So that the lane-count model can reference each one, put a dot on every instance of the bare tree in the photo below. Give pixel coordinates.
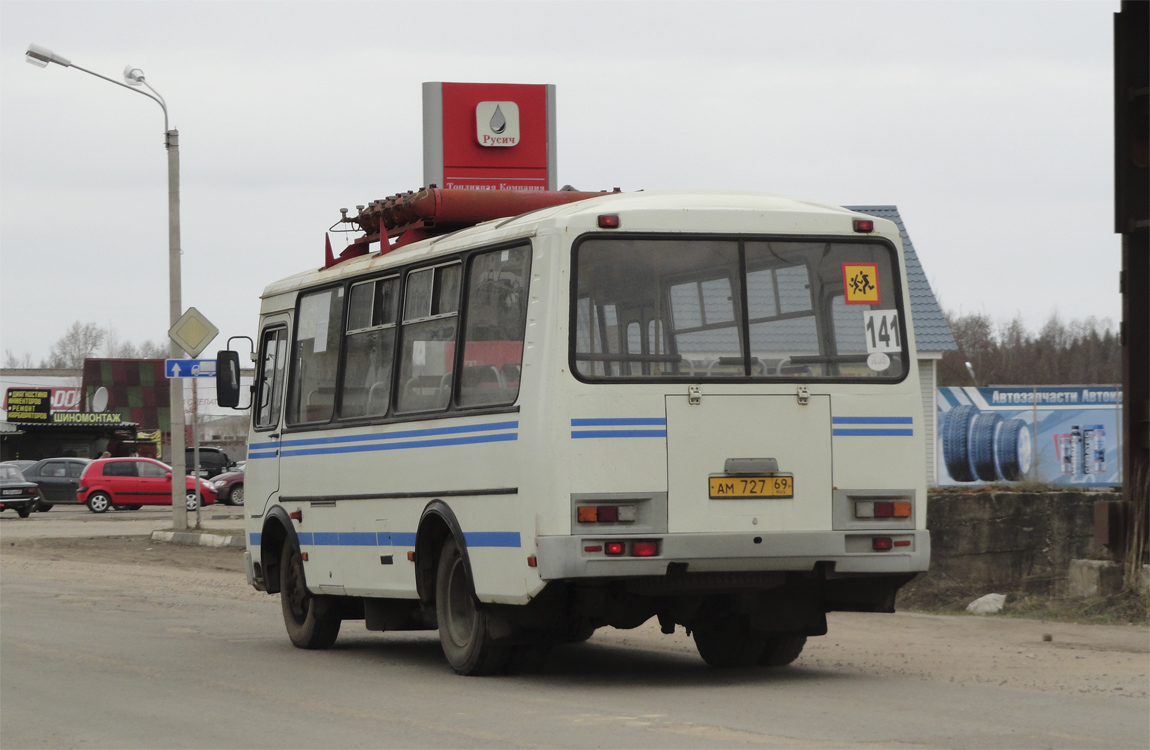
(80, 342)
(114, 348)
(153, 350)
(14, 362)
(1079, 352)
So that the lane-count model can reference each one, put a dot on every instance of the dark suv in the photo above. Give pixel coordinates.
(213, 461)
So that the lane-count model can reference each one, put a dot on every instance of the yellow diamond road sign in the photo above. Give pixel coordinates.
(193, 332)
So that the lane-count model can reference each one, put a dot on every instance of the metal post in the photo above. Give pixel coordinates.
(196, 445)
(41, 57)
(175, 310)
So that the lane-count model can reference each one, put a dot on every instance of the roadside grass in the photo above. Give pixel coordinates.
(1128, 607)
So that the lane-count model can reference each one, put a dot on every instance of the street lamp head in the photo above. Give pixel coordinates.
(133, 75)
(41, 56)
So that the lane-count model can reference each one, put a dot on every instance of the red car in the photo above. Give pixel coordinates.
(132, 482)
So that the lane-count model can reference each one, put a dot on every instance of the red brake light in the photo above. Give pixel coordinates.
(614, 548)
(608, 513)
(882, 543)
(864, 225)
(883, 509)
(608, 221)
(644, 549)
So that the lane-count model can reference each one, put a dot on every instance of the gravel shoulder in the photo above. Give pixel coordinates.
(1103, 660)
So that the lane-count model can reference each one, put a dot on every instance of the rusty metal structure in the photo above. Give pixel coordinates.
(433, 211)
(1127, 528)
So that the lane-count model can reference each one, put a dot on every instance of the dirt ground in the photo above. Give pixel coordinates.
(1029, 655)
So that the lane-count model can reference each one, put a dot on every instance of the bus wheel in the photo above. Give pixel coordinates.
(311, 620)
(781, 650)
(462, 621)
(728, 641)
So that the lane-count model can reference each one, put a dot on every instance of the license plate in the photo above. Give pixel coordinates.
(739, 488)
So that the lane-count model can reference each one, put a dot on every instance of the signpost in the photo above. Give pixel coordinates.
(190, 368)
(193, 332)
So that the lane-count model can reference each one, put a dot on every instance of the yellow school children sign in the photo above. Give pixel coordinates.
(860, 284)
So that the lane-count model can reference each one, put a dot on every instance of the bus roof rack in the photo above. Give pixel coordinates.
(431, 211)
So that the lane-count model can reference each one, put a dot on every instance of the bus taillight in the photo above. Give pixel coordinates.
(644, 549)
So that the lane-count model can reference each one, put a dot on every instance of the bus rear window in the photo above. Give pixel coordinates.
(695, 308)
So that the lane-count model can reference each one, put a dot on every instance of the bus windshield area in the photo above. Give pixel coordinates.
(698, 307)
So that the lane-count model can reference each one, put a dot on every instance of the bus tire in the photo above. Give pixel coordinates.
(781, 650)
(983, 432)
(728, 641)
(1012, 450)
(463, 630)
(956, 442)
(312, 621)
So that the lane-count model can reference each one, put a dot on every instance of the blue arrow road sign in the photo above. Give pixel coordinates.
(190, 368)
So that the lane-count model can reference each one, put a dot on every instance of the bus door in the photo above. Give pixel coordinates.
(262, 473)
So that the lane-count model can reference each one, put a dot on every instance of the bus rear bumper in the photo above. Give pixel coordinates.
(567, 557)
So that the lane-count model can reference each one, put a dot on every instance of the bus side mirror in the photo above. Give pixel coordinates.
(228, 378)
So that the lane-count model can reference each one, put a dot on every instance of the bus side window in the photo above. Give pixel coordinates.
(311, 395)
(427, 354)
(273, 356)
(373, 311)
(496, 319)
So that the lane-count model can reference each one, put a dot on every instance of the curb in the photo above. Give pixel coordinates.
(198, 538)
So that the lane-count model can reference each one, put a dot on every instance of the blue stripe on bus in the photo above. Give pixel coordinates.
(491, 539)
(397, 435)
(872, 420)
(619, 421)
(618, 433)
(381, 441)
(499, 438)
(872, 432)
(394, 539)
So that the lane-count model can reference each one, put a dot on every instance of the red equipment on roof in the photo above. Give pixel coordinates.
(435, 211)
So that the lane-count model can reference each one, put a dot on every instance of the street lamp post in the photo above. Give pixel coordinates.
(134, 77)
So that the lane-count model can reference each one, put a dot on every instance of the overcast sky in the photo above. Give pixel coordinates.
(989, 124)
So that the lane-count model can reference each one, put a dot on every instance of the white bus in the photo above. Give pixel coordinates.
(697, 407)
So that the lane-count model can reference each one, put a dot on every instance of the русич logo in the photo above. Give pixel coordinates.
(497, 124)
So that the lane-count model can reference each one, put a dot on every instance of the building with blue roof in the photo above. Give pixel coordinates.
(932, 334)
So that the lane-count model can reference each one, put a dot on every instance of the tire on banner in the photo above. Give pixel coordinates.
(1013, 451)
(956, 442)
(983, 432)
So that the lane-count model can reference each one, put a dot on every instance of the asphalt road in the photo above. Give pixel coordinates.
(108, 640)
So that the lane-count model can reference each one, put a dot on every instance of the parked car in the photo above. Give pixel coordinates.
(132, 482)
(57, 478)
(229, 487)
(16, 492)
(213, 461)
